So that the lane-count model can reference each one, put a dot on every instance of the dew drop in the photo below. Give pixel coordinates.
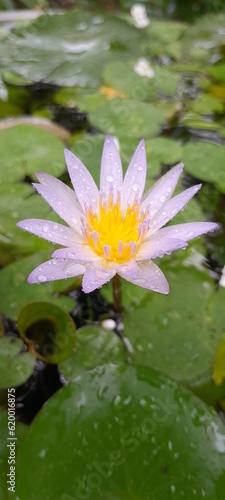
(162, 199)
(109, 178)
(45, 228)
(135, 187)
(191, 233)
(41, 278)
(139, 168)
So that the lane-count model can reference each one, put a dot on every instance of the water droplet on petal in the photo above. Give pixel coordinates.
(45, 228)
(162, 199)
(41, 278)
(109, 178)
(139, 168)
(190, 234)
(135, 187)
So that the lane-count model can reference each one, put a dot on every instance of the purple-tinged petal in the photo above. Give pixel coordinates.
(129, 270)
(171, 208)
(111, 177)
(51, 231)
(134, 180)
(55, 269)
(150, 277)
(162, 190)
(78, 253)
(61, 198)
(158, 247)
(96, 276)
(187, 231)
(83, 183)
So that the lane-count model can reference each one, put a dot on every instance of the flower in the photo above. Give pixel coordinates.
(143, 68)
(113, 230)
(139, 15)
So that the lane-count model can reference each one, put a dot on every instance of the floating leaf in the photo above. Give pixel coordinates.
(33, 149)
(178, 333)
(49, 329)
(68, 49)
(127, 117)
(15, 367)
(219, 363)
(116, 426)
(95, 346)
(205, 161)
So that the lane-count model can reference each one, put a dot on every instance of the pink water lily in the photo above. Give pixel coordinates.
(116, 230)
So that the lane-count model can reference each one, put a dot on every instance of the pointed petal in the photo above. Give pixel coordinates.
(158, 247)
(51, 231)
(111, 177)
(96, 276)
(171, 208)
(162, 190)
(188, 231)
(77, 252)
(150, 277)
(83, 183)
(55, 269)
(134, 180)
(61, 198)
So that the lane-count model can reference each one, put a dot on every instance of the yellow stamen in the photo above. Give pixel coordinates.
(115, 234)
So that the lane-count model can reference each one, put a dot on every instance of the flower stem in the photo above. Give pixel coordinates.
(117, 294)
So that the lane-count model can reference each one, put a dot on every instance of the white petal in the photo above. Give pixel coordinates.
(61, 199)
(134, 180)
(51, 231)
(55, 269)
(151, 277)
(83, 183)
(111, 169)
(129, 270)
(171, 208)
(157, 247)
(77, 252)
(187, 231)
(162, 190)
(96, 276)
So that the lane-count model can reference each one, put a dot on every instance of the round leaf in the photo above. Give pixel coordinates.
(15, 368)
(205, 161)
(49, 328)
(127, 117)
(123, 432)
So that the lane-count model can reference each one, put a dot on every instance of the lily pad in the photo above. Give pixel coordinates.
(68, 49)
(205, 161)
(15, 292)
(49, 329)
(116, 426)
(95, 346)
(127, 117)
(33, 149)
(16, 367)
(179, 333)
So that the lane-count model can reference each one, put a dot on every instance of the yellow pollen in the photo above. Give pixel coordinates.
(115, 234)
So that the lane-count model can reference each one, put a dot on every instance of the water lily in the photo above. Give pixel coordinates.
(116, 230)
(139, 15)
(143, 68)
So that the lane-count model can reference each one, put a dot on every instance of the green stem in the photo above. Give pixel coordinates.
(117, 294)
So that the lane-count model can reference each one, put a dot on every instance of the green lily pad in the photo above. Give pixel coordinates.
(95, 346)
(16, 367)
(122, 76)
(165, 31)
(205, 161)
(127, 117)
(123, 431)
(178, 333)
(207, 105)
(33, 149)
(68, 49)
(49, 328)
(15, 292)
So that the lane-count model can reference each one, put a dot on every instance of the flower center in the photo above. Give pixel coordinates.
(113, 233)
